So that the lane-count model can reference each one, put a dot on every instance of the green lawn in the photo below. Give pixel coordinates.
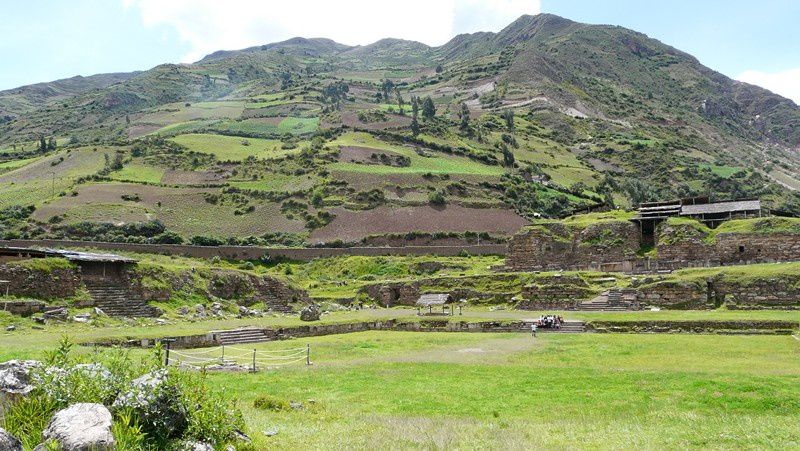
(386, 390)
(232, 148)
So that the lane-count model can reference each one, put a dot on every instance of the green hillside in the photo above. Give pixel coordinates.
(308, 140)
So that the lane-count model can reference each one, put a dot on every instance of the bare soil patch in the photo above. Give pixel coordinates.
(368, 155)
(355, 225)
(180, 177)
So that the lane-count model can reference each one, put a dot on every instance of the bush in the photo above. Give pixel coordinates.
(267, 402)
(437, 198)
(145, 416)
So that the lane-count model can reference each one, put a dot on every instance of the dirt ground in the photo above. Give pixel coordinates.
(354, 225)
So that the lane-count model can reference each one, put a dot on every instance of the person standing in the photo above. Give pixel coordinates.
(533, 330)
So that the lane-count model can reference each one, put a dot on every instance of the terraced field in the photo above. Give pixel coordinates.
(232, 148)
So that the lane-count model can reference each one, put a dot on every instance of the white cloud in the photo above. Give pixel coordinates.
(210, 25)
(785, 83)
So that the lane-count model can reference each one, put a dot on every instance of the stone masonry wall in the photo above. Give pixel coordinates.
(559, 246)
(57, 283)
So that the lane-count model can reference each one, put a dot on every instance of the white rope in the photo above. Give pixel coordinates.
(267, 351)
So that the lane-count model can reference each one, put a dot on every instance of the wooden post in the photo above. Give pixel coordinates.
(308, 354)
(254, 360)
(222, 359)
(166, 358)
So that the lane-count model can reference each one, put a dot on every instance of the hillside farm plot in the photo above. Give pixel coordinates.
(355, 225)
(8, 166)
(44, 177)
(137, 172)
(180, 112)
(431, 163)
(233, 148)
(182, 210)
(277, 183)
(268, 126)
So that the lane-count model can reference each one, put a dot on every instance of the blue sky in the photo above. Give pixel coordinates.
(45, 40)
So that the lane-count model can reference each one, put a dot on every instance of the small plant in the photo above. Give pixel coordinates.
(267, 402)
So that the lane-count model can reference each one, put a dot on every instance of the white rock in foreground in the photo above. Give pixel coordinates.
(8, 442)
(81, 427)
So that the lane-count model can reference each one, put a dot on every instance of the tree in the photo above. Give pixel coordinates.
(463, 115)
(400, 101)
(42, 144)
(439, 69)
(508, 155)
(51, 143)
(508, 116)
(387, 87)
(428, 109)
(414, 114)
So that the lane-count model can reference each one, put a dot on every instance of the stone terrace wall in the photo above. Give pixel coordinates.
(564, 292)
(255, 253)
(559, 246)
(58, 283)
(757, 247)
(774, 293)
(675, 295)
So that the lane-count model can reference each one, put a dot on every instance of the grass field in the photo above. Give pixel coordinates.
(135, 172)
(232, 148)
(390, 390)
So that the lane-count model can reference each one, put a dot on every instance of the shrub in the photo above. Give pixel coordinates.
(267, 402)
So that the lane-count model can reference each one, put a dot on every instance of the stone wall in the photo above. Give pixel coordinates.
(769, 293)
(22, 308)
(562, 293)
(490, 288)
(29, 281)
(697, 327)
(555, 245)
(675, 295)
(157, 284)
(256, 253)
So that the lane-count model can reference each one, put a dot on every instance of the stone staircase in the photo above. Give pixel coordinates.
(567, 327)
(610, 301)
(274, 304)
(239, 336)
(116, 299)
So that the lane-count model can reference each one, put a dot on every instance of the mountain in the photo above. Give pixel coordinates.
(308, 140)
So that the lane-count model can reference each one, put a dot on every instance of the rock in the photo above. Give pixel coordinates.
(157, 404)
(310, 313)
(183, 311)
(80, 427)
(216, 309)
(99, 312)
(11, 328)
(8, 442)
(161, 321)
(244, 311)
(82, 318)
(15, 379)
(197, 446)
(58, 313)
(296, 405)
(38, 319)
(270, 432)
(200, 309)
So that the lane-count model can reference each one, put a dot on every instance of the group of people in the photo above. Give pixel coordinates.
(548, 321)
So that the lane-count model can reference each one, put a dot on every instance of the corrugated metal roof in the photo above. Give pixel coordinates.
(434, 299)
(77, 256)
(721, 207)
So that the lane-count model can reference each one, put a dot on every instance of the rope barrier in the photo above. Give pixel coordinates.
(251, 358)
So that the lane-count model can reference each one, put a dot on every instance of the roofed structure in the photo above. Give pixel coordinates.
(751, 206)
(429, 300)
(74, 256)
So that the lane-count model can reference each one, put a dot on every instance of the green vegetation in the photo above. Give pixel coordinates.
(134, 172)
(232, 148)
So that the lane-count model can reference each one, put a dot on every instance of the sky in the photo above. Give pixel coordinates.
(44, 40)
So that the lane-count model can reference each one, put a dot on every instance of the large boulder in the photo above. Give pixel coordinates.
(311, 312)
(8, 442)
(157, 404)
(81, 427)
(16, 380)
